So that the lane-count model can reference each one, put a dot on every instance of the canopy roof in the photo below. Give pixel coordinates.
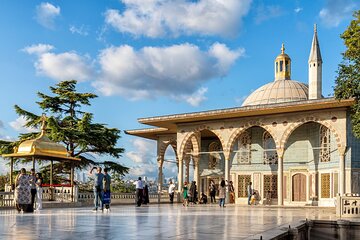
(41, 148)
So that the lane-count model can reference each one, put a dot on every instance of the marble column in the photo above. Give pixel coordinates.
(196, 172)
(180, 174)
(160, 174)
(227, 178)
(342, 174)
(187, 169)
(280, 178)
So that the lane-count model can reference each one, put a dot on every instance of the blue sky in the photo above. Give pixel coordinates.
(155, 57)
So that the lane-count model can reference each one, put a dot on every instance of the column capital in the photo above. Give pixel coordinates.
(280, 152)
(342, 150)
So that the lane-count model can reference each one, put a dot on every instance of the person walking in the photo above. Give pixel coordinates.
(185, 194)
(39, 191)
(192, 193)
(98, 188)
(249, 192)
(222, 193)
(107, 188)
(231, 192)
(212, 189)
(139, 191)
(171, 191)
(146, 194)
(22, 193)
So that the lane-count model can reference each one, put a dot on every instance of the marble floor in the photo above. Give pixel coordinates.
(153, 222)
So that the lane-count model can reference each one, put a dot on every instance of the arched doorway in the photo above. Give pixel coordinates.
(299, 187)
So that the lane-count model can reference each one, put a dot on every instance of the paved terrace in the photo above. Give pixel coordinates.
(163, 221)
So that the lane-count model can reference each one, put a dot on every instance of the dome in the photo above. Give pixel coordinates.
(277, 92)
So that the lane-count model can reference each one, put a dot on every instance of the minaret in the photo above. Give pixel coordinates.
(315, 69)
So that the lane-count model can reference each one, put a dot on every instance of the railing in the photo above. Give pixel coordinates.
(348, 206)
(63, 194)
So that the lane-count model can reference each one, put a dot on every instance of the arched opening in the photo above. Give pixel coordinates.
(254, 151)
(170, 166)
(312, 149)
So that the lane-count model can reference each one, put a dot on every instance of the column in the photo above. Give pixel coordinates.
(33, 163)
(280, 181)
(160, 175)
(342, 174)
(180, 175)
(187, 170)
(72, 181)
(227, 177)
(196, 172)
(51, 180)
(11, 171)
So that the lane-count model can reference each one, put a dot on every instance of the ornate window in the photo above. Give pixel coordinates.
(214, 157)
(324, 144)
(270, 186)
(243, 182)
(244, 147)
(270, 154)
(325, 185)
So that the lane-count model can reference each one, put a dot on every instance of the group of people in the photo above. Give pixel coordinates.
(102, 183)
(28, 188)
(142, 192)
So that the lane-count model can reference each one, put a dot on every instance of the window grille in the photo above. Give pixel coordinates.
(324, 144)
(244, 147)
(270, 154)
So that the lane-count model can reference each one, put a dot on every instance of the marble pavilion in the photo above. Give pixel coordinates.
(294, 145)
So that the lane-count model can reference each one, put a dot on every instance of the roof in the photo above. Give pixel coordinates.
(41, 148)
(315, 54)
(277, 92)
(167, 124)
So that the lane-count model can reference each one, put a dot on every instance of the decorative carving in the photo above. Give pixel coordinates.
(325, 185)
(244, 148)
(270, 185)
(243, 182)
(270, 154)
(214, 157)
(324, 144)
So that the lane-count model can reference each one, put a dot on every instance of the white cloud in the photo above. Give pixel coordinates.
(157, 18)
(1, 124)
(144, 159)
(196, 98)
(62, 66)
(19, 123)
(335, 11)
(38, 49)
(298, 9)
(162, 71)
(46, 14)
(264, 13)
(82, 30)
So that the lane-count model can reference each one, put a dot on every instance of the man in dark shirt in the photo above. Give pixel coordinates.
(98, 188)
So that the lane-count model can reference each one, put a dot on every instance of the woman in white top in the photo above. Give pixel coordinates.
(39, 191)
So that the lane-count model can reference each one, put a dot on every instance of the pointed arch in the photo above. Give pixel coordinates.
(287, 133)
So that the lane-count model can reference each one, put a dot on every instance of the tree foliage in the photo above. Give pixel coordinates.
(348, 79)
(73, 127)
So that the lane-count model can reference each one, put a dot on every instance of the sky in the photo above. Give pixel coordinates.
(148, 58)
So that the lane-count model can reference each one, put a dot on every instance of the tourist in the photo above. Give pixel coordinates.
(212, 189)
(231, 192)
(98, 188)
(139, 191)
(222, 193)
(146, 194)
(22, 191)
(203, 199)
(192, 193)
(185, 194)
(39, 191)
(249, 192)
(253, 199)
(32, 179)
(107, 186)
(171, 191)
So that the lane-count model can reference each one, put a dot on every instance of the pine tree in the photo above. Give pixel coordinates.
(74, 128)
(348, 79)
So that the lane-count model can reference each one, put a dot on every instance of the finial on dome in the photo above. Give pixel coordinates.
(282, 48)
(315, 28)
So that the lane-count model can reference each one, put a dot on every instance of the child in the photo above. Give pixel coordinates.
(253, 199)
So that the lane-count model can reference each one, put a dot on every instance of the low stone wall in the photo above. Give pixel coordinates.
(348, 206)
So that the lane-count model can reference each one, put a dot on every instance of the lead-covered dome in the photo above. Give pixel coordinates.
(277, 92)
(283, 89)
